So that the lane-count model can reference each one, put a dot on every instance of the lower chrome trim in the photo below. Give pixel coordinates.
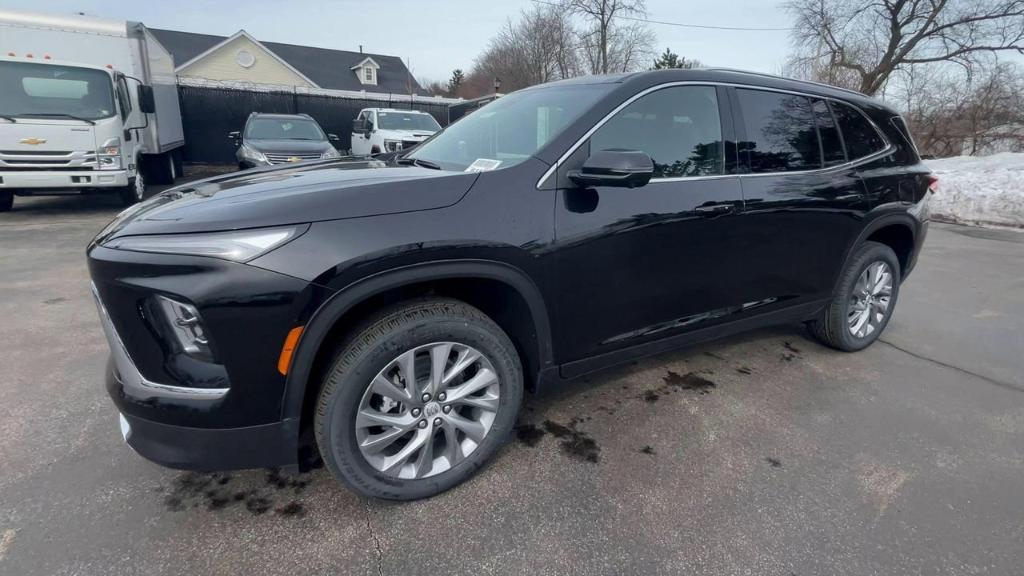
(135, 384)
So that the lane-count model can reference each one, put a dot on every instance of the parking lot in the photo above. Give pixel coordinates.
(761, 454)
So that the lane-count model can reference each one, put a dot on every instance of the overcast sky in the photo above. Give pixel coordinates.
(440, 36)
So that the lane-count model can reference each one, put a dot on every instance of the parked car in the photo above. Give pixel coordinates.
(393, 317)
(270, 139)
(383, 130)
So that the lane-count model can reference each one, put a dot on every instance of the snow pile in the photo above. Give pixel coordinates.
(980, 189)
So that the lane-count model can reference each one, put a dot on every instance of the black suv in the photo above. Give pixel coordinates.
(391, 317)
(270, 139)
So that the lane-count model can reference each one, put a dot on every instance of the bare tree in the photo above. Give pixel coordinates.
(536, 48)
(608, 43)
(862, 43)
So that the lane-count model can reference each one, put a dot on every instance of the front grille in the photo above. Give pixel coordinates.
(287, 158)
(47, 160)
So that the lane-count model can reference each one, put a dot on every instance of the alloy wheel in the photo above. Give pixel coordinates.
(870, 299)
(427, 410)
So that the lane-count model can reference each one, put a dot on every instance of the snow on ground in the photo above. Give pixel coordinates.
(983, 190)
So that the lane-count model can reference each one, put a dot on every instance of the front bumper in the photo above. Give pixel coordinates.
(62, 180)
(216, 413)
(209, 449)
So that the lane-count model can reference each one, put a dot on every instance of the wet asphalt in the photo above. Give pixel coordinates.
(761, 454)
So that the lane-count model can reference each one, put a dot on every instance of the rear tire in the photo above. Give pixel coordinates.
(161, 168)
(6, 200)
(864, 300)
(421, 330)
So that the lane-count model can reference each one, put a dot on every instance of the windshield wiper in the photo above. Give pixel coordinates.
(419, 162)
(12, 119)
(60, 115)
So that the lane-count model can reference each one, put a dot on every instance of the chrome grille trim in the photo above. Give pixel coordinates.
(78, 159)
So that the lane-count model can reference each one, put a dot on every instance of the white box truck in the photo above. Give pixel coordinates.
(85, 105)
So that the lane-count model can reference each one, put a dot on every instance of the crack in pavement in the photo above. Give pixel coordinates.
(376, 541)
(990, 380)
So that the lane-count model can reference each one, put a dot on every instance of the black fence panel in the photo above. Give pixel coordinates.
(209, 113)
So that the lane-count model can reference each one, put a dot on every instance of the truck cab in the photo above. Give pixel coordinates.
(383, 130)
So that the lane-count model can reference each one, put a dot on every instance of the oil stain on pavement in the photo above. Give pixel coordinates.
(218, 491)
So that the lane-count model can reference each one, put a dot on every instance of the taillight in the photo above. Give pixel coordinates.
(933, 183)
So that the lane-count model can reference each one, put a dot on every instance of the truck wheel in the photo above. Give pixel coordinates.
(160, 168)
(418, 399)
(135, 191)
(6, 200)
(863, 302)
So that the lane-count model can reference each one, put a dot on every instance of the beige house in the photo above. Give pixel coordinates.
(242, 58)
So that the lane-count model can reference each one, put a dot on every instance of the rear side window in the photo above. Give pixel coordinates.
(831, 144)
(859, 134)
(781, 135)
(679, 128)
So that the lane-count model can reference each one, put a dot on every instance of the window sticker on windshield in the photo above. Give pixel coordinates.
(483, 165)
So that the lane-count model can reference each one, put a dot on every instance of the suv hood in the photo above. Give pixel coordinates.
(328, 190)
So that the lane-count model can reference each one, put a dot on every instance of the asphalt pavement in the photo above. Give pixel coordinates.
(760, 454)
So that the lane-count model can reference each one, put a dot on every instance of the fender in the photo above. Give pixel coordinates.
(900, 218)
(337, 305)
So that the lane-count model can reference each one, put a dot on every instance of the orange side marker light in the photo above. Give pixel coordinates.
(285, 360)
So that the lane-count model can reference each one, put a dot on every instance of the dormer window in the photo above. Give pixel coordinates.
(366, 71)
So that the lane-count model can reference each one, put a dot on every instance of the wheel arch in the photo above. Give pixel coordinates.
(332, 319)
(896, 230)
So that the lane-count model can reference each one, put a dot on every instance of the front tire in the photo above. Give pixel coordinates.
(135, 191)
(864, 300)
(418, 399)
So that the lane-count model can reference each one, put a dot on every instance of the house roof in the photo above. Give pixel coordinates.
(330, 69)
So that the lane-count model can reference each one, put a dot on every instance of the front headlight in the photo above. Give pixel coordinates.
(331, 152)
(108, 156)
(237, 246)
(250, 153)
(392, 145)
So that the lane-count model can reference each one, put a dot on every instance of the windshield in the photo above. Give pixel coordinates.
(28, 89)
(283, 129)
(510, 129)
(407, 121)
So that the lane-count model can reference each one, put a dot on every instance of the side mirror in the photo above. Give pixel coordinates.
(333, 137)
(147, 104)
(619, 168)
(358, 126)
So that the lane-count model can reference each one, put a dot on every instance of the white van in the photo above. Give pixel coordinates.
(380, 130)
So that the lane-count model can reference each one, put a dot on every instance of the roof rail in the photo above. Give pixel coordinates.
(766, 75)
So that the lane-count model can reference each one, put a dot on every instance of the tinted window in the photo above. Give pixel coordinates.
(781, 134)
(283, 129)
(407, 121)
(860, 136)
(678, 128)
(831, 144)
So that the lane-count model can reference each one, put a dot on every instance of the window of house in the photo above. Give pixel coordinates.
(831, 143)
(679, 128)
(781, 134)
(368, 75)
(859, 134)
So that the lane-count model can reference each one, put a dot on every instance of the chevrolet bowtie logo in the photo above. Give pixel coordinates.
(294, 158)
(33, 141)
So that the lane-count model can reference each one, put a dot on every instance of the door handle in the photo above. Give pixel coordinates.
(714, 209)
